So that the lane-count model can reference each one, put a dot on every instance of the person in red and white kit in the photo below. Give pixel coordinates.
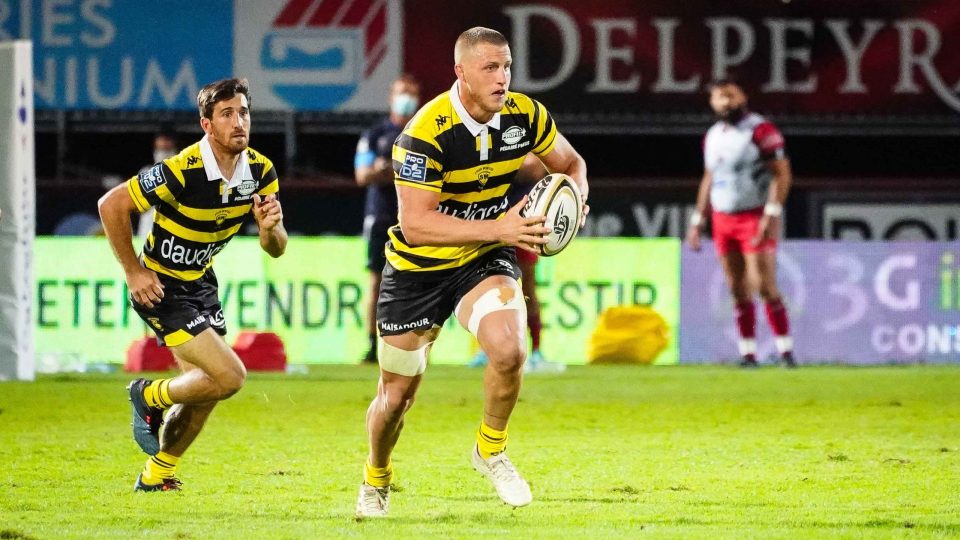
(746, 178)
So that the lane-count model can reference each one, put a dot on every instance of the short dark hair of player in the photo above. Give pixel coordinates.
(220, 91)
(478, 34)
(721, 83)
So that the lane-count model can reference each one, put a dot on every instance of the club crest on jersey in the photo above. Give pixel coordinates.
(414, 167)
(483, 174)
(152, 178)
(221, 216)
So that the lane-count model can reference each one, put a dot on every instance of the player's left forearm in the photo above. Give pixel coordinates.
(564, 159)
(578, 171)
(782, 179)
(274, 240)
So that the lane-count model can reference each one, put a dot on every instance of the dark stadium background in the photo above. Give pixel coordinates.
(642, 146)
(648, 168)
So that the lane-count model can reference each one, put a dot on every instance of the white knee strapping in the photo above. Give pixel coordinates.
(491, 301)
(401, 362)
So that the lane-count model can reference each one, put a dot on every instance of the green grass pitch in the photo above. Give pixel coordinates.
(610, 452)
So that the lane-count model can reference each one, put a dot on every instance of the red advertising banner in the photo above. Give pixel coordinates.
(856, 60)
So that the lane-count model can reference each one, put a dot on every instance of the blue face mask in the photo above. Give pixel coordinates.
(404, 104)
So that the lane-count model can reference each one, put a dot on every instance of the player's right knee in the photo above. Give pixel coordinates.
(231, 381)
(506, 352)
(400, 361)
(395, 403)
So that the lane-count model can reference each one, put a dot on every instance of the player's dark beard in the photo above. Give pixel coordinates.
(733, 116)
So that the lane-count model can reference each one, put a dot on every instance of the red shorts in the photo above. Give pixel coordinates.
(735, 232)
(525, 256)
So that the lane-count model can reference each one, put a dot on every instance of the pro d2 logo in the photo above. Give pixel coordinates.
(318, 54)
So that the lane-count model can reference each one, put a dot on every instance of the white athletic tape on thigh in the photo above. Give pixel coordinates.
(401, 362)
(491, 301)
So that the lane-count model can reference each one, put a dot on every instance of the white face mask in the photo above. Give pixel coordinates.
(404, 104)
(160, 155)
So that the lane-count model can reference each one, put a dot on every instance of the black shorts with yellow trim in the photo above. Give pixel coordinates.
(187, 308)
(419, 300)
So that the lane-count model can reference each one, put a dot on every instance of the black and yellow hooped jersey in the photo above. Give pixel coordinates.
(471, 166)
(197, 212)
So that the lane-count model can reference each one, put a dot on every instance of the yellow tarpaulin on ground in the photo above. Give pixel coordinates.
(628, 335)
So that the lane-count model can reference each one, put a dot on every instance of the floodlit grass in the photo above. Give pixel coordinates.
(609, 452)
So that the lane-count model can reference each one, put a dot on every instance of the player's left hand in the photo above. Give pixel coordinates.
(267, 211)
(767, 228)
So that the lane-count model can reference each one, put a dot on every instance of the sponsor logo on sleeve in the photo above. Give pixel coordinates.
(414, 167)
(152, 178)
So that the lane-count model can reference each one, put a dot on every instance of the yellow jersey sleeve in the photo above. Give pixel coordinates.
(417, 162)
(155, 185)
(269, 183)
(544, 128)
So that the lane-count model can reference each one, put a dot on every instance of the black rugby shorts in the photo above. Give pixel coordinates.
(418, 300)
(186, 309)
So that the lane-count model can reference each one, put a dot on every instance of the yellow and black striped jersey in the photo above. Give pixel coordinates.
(197, 211)
(471, 165)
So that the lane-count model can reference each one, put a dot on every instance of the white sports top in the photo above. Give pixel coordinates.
(736, 157)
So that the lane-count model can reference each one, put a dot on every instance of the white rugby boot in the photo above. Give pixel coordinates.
(511, 487)
(373, 502)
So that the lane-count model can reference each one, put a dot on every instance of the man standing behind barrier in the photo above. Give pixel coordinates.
(172, 284)
(743, 155)
(373, 168)
(451, 254)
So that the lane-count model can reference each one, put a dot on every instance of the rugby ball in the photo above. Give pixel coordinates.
(557, 197)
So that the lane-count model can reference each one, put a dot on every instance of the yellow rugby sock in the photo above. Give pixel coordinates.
(379, 477)
(157, 394)
(158, 467)
(490, 441)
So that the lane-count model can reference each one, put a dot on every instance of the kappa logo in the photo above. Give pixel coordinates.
(414, 167)
(192, 160)
(441, 120)
(152, 178)
(251, 156)
(316, 53)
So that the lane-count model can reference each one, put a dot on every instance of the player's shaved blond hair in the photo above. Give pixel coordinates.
(470, 38)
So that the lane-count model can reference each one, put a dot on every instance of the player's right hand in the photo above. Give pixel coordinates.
(522, 232)
(144, 286)
(693, 238)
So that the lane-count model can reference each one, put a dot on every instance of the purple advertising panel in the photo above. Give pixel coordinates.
(849, 302)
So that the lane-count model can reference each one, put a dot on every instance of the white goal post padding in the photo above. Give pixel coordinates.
(17, 210)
